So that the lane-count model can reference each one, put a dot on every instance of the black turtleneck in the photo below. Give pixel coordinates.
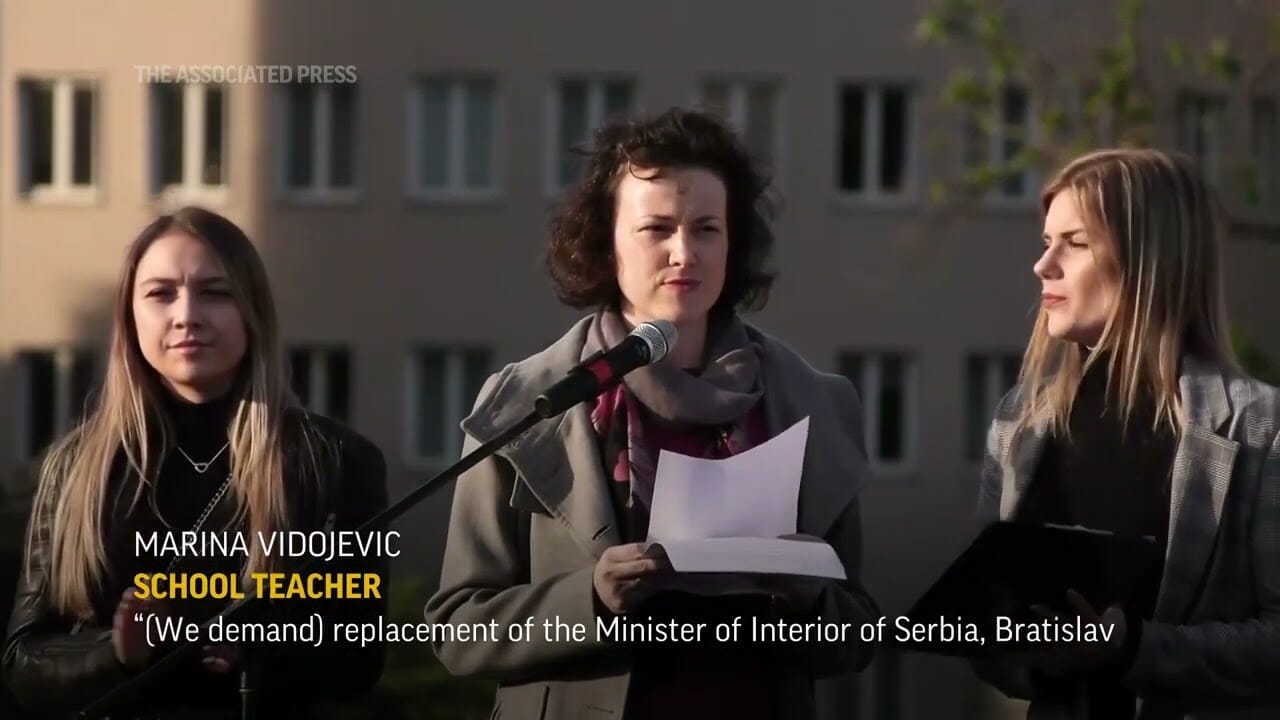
(1107, 477)
(175, 499)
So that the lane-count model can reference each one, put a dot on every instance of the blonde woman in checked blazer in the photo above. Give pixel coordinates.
(1130, 415)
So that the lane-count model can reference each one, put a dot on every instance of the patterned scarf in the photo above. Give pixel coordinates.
(717, 397)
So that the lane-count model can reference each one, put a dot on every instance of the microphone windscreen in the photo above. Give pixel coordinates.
(659, 336)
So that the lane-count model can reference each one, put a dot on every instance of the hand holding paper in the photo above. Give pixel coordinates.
(731, 515)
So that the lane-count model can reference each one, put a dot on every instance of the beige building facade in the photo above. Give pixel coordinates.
(400, 204)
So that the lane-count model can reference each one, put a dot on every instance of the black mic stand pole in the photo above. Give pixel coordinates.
(132, 688)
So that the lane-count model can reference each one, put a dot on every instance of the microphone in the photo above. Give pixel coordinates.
(648, 343)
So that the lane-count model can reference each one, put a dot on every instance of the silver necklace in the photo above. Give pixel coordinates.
(204, 515)
(201, 467)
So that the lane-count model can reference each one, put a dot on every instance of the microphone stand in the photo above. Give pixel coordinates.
(132, 688)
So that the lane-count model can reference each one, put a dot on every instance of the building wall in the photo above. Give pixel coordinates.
(381, 273)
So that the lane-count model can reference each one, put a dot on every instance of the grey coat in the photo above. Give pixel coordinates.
(1212, 649)
(529, 525)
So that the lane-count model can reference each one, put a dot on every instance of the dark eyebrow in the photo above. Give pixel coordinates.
(168, 281)
(1065, 235)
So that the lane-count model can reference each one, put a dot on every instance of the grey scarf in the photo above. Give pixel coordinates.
(721, 393)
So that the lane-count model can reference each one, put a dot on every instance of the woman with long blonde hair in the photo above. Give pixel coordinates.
(1131, 416)
(195, 431)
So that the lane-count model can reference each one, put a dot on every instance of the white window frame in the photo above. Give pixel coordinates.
(63, 419)
(872, 138)
(595, 117)
(739, 88)
(871, 389)
(62, 190)
(191, 189)
(455, 189)
(321, 189)
(455, 405)
(318, 370)
(1211, 166)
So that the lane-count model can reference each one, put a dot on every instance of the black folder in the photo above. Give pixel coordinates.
(1013, 569)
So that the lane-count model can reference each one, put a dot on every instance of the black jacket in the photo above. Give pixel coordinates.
(56, 666)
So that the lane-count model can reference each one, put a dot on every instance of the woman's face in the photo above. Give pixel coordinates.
(1078, 286)
(671, 244)
(188, 324)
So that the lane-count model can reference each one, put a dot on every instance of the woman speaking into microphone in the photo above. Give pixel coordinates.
(194, 432)
(669, 222)
(1131, 417)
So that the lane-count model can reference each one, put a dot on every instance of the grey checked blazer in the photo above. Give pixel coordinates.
(1212, 649)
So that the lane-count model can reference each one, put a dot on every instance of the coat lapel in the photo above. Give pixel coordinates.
(558, 460)
(1201, 474)
(565, 474)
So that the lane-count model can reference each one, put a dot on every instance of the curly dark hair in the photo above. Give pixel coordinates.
(580, 253)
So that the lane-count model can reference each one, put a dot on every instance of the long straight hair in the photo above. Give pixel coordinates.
(1161, 232)
(128, 417)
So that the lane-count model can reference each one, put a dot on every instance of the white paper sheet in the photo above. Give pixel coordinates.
(728, 515)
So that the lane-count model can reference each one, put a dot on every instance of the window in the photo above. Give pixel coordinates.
(452, 134)
(1200, 131)
(319, 138)
(443, 384)
(987, 379)
(886, 387)
(1001, 143)
(54, 389)
(751, 107)
(59, 138)
(580, 106)
(321, 378)
(189, 138)
(876, 128)
(1265, 146)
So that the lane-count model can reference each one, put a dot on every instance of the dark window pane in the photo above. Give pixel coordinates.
(476, 371)
(83, 385)
(1014, 118)
(573, 129)
(338, 385)
(893, 146)
(851, 367)
(171, 132)
(301, 122)
(39, 373)
(39, 109)
(82, 136)
(760, 121)
(1010, 366)
(433, 167)
(300, 375)
(1266, 147)
(975, 386)
(214, 136)
(617, 99)
(852, 150)
(892, 408)
(478, 124)
(431, 404)
(342, 136)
